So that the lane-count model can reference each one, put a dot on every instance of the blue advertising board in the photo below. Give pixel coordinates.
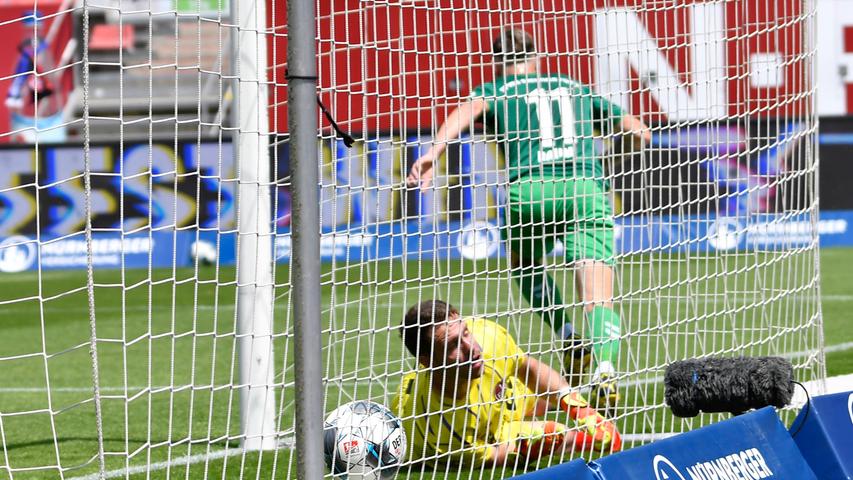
(750, 446)
(474, 240)
(109, 250)
(189, 189)
(477, 240)
(823, 431)
(574, 470)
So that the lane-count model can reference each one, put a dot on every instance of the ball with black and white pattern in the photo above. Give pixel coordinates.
(364, 441)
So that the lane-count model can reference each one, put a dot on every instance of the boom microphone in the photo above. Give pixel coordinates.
(715, 385)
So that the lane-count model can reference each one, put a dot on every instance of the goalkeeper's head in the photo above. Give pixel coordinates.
(515, 52)
(435, 333)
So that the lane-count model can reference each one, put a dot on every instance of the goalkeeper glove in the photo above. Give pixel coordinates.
(596, 432)
(545, 440)
(572, 403)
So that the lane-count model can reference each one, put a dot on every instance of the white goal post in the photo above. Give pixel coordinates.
(255, 284)
(148, 207)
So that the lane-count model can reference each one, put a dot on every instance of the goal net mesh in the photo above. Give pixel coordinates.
(120, 218)
(715, 220)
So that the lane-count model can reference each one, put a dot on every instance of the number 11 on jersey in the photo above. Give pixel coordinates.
(546, 101)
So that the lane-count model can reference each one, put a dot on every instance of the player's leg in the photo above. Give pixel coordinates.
(539, 289)
(594, 280)
(530, 236)
(542, 294)
(589, 247)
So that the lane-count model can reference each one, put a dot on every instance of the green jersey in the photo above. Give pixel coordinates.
(546, 124)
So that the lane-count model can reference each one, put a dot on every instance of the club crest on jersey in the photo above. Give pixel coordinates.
(500, 390)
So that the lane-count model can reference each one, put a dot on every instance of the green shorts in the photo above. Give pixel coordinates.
(542, 210)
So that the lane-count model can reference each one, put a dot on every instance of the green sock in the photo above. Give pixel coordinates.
(604, 325)
(541, 292)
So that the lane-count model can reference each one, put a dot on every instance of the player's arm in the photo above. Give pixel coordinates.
(596, 432)
(638, 131)
(489, 456)
(549, 439)
(457, 122)
(501, 454)
(477, 453)
(607, 114)
(532, 447)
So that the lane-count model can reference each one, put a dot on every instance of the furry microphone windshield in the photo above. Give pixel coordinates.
(715, 385)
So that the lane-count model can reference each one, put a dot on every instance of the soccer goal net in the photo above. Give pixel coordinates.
(642, 171)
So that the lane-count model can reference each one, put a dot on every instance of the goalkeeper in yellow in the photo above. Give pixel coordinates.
(476, 395)
(546, 125)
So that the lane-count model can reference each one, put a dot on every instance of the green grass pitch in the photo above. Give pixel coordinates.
(167, 357)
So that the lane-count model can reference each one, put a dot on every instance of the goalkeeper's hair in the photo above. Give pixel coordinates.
(419, 322)
(513, 46)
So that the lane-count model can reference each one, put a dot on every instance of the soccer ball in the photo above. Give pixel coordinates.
(364, 440)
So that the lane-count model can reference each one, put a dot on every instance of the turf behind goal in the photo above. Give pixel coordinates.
(145, 234)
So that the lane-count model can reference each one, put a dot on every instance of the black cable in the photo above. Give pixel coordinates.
(807, 406)
(348, 140)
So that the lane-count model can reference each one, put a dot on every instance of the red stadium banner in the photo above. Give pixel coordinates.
(835, 62)
(386, 66)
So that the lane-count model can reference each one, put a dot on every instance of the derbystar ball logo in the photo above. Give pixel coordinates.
(665, 470)
(349, 446)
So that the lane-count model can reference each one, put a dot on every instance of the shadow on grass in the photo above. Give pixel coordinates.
(61, 440)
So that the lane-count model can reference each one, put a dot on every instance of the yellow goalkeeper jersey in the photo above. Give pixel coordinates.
(442, 429)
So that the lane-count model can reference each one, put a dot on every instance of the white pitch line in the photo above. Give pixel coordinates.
(130, 389)
(841, 383)
(837, 298)
(647, 437)
(839, 347)
(397, 304)
(178, 462)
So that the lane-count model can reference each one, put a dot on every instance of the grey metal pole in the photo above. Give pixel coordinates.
(305, 253)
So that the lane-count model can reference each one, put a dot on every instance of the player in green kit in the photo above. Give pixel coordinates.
(557, 191)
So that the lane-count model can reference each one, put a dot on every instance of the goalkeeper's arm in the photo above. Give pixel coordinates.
(544, 380)
(542, 438)
(537, 439)
(596, 432)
